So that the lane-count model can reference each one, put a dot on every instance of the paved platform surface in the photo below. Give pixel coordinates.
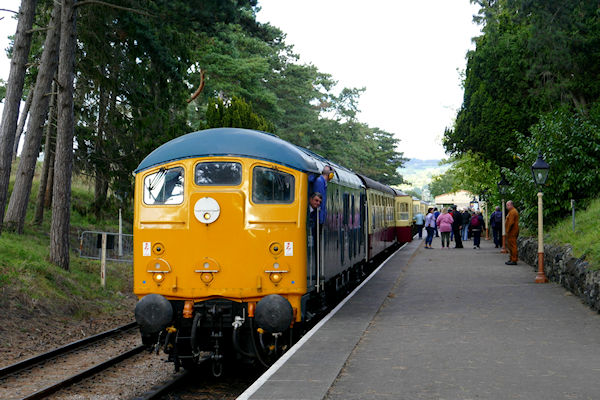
(449, 324)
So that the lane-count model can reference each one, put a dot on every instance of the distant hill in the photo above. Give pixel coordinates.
(417, 164)
(419, 173)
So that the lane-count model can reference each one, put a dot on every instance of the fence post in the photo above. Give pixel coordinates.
(120, 235)
(103, 261)
(573, 212)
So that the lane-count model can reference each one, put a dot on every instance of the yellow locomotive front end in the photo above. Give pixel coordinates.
(219, 248)
(221, 232)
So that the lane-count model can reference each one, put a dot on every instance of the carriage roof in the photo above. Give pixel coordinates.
(372, 184)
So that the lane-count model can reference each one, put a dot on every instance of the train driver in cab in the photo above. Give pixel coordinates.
(313, 207)
(321, 187)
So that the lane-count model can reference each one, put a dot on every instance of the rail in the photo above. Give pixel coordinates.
(40, 358)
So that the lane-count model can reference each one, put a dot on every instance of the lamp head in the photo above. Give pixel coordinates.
(540, 169)
(503, 185)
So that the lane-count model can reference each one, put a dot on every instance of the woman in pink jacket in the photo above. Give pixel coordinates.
(444, 222)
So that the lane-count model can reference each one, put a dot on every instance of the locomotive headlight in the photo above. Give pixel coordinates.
(206, 277)
(158, 277)
(207, 210)
(275, 277)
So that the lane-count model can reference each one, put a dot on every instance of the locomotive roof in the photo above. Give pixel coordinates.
(232, 142)
(371, 184)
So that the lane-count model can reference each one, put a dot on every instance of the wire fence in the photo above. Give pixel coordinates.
(119, 247)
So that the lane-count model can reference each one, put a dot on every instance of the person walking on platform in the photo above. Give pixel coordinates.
(430, 227)
(444, 222)
(466, 217)
(456, 228)
(436, 214)
(512, 232)
(476, 225)
(496, 224)
(419, 223)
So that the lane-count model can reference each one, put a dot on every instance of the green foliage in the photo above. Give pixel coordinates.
(570, 144)
(134, 77)
(533, 57)
(474, 173)
(135, 72)
(236, 113)
(415, 192)
(441, 184)
(2, 90)
(368, 151)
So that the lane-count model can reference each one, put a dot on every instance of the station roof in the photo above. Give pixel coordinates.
(231, 142)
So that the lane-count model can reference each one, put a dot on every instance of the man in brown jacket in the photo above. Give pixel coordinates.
(512, 231)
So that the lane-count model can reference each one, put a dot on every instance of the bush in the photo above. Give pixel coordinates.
(570, 144)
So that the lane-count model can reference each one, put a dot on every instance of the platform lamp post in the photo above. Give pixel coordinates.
(540, 169)
(502, 186)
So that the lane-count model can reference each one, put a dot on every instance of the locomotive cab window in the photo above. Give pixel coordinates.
(270, 186)
(218, 173)
(164, 187)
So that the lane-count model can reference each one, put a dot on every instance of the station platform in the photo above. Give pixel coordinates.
(446, 324)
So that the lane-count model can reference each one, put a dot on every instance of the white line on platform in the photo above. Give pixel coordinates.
(287, 355)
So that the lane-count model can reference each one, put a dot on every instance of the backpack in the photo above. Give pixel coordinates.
(497, 218)
(475, 221)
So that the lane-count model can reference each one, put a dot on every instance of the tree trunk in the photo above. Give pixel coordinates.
(101, 181)
(63, 164)
(14, 91)
(21, 125)
(48, 151)
(100, 194)
(50, 183)
(17, 206)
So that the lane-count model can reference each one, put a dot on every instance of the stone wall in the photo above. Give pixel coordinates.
(560, 266)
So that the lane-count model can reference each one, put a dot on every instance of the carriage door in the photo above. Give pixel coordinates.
(313, 242)
(363, 222)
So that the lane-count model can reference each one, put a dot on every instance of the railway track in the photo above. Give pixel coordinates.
(42, 375)
(158, 391)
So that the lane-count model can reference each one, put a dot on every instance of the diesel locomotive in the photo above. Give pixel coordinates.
(228, 262)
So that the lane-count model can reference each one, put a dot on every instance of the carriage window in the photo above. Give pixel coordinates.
(345, 208)
(403, 211)
(218, 173)
(271, 186)
(164, 187)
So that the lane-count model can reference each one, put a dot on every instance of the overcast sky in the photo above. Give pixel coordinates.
(407, 54)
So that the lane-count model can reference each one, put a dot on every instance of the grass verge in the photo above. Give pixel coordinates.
(31, 285)
(585, 240)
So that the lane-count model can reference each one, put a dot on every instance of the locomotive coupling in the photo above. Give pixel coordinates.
(274, 313)
(153, 313)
